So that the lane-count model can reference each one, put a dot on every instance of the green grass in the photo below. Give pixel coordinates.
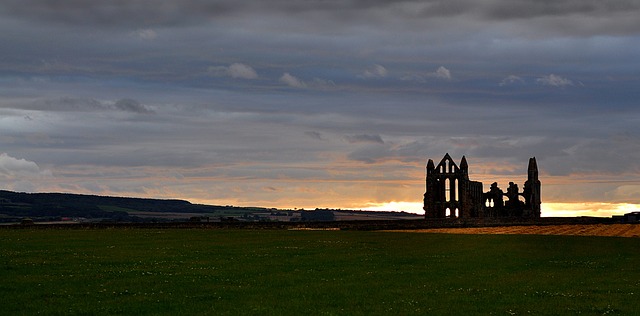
(192, 272)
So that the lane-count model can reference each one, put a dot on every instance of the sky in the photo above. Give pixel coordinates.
(321, 104)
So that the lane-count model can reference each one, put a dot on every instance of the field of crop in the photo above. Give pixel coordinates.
(608, 230)
(253, 272)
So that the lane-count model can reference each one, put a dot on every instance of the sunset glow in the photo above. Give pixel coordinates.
(410, 207)
(548, 209)
(587, 209)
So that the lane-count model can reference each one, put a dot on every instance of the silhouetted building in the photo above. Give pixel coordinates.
(450, 193)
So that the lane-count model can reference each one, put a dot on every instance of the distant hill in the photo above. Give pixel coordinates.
(53, 206)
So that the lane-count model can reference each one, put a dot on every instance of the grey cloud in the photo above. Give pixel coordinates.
(519, 9)
(235, 70)
(375, 71)
(292, 81)
(119, 12)
(142, 14)
(69, 104)
(441, 73)
(171, 12)
(42, 139)
(364, 138)
(370, 154)
(17, 168)
(238, 70)
(413, 152)
(617, 154)
(72, 104)
(314, 135)
(554, 80)
(130, 105)
(319, 83)
(511, 80)
(146, 34)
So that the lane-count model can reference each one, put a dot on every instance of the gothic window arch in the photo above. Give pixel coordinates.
(447, 190)
(454, 188)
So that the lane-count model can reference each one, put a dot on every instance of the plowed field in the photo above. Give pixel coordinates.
(613, 230)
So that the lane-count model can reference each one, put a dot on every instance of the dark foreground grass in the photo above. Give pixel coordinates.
(191, 272)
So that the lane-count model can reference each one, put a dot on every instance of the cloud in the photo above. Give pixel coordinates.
(145, 34)
(130, 105)
(16, 169)
(235, 70)
(41, 139)
(314, 135)
(554, 81)
(511, 80)
(364, 138)
(242, 71)
(507, 10)
(560, 16)
(117, 14)
(413, 77)
(371, 154)
(322, 83)
(441, 73)
(74, 104)
(375, 71)
(292, 81)
(69, 104)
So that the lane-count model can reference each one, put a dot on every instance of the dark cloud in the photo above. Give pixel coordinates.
(371, 154)
(152, 13)
(364, 138)
(118, 13)
(69, 104)
(75, 104)
(619, 154)
(130, 105)
(520, 9)
(314, 135)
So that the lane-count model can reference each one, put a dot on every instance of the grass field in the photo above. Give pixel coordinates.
(245, 272)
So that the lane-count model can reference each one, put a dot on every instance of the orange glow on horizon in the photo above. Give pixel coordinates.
(548, 209)
(410, 207)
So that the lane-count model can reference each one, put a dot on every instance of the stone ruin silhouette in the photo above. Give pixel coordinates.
(450, 193)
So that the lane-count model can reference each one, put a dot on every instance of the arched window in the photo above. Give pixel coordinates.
(447, 212)
(454, 188)
(457, 213)
(447, 190)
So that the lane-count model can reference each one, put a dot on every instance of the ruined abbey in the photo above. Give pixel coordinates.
(450, 193)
